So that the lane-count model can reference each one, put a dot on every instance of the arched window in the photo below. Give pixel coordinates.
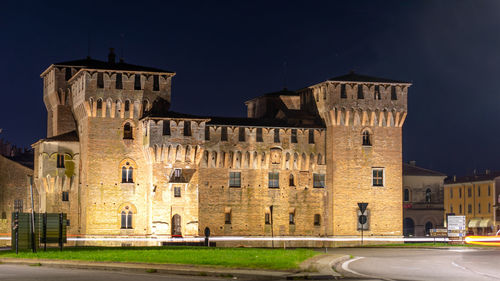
(99, 107)
(406, 196)
(127, 173)
(126, 218)
(127, 131)
(127, 105)
(408, 227)
(428, 195)
(367, 140)
(428, 227)
(292, 180)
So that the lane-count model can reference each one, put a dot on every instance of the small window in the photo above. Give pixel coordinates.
(60, 160)
(311, 136)
(428, 194)
(258, 137)
(241, 134)
(274, 180)
(100, 80)
(177, 191)
(4, 215)
(343, 93)
(223, 134)
(378, 177)
(469, 192)
(227, 218)
(489, 207)
(478, 191)
(18, 205)
(127, 105)
(394, 96)
(65, 196)
(318, 180)
(460, 209)
(479, 208)
(126, 218)
(267, 218)
(68, 74)
(291, 218)
(460, 192)
(207, 132)
(156, 83)
(118, 83)
(451, 192)
(451, 208)
(166, 127)
(292, 180)
(367, 141)
(293, 137)
(469, 209)
(177, 174)
(276, 135)
(489, 190)
(99, 104)
(127, 173)
(360, 92)
(127, 132)
(377, 95)
(317, 220)
(234, 179)
(406, 196)
(187, 128)
(137, 82)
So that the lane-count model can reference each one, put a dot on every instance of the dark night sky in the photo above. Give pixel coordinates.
(225, 53)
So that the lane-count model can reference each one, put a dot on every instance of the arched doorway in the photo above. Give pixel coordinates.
(176, 225)
(428, 227)
(408, 227)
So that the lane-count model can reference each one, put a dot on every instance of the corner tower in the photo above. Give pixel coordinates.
(364, 118)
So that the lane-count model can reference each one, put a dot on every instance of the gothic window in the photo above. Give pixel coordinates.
(293, 137)
(343, 94)
(137, 82)
(276, 135)
(234, 179)
(360, 92)
(18, 205)
(100, 80)
(291, 180)
(223, 134)
(60, 160)
(187, 128)
(65, 196)
(291, 218)
(274, 180)
(118, 83)
(258, 137)
(311, 136)
(367, 139)
(317, 219)
(126, 218)
(166, 127)
(156, 83)
(394, 96)
(127, 131)
(318, 180)
(378, 176)
(406, 196)
(241, 134)
(127, 173)
(207, 132)
(177, 191)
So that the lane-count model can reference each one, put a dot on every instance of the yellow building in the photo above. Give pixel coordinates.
(477, 198)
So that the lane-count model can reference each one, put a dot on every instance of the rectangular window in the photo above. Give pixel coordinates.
(318, 180)
(234, 179)
(274, 180)
(166, 127)
(451, 192)
(227, 218)
(291, 218)
(177, 191)
(137, 82)
(207, 132)
(241, 134)
(156, 83)
(311, 136)
(267, 218)
(469, 209)
(18, 205)
(489, 190)
(177, 173)
(65, 196)
(469, 192)
(317, 220)
(378, 176)
(460, 192)
(118, 83)
(223, 134)
(479, 208)
(343, 94)
(478, 191)
(258, 137)
(187, 128)
(276, 135)
(451, 208)
(60, 160)
(100, 80)
(293, 137)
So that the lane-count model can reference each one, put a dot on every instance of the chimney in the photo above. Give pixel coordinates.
(111, 55)
(413, 163)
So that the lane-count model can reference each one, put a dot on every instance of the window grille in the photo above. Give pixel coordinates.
(274, 179)
(234, 179)
(378, 177)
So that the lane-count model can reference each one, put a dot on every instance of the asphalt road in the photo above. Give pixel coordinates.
(421, 264)
(42, 273)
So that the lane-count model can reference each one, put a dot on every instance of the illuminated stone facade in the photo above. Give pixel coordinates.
(297, 166)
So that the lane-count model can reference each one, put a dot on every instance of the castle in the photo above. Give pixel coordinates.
(121, 164)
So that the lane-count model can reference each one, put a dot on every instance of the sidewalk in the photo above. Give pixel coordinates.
(318, 267)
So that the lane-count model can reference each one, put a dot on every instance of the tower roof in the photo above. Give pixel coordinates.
(412, 170)
(355, 77)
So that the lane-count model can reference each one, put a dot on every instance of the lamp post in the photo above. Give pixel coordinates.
(32, 234)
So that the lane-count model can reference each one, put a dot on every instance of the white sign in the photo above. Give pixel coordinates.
(456, 226)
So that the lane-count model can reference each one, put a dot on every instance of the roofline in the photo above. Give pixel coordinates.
(462, 182)
(356, 82)
(443, 176)
(83, 67)
(19, 164)
(173, 118)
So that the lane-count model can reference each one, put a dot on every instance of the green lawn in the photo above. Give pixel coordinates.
(430, 244)
(278, 259)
